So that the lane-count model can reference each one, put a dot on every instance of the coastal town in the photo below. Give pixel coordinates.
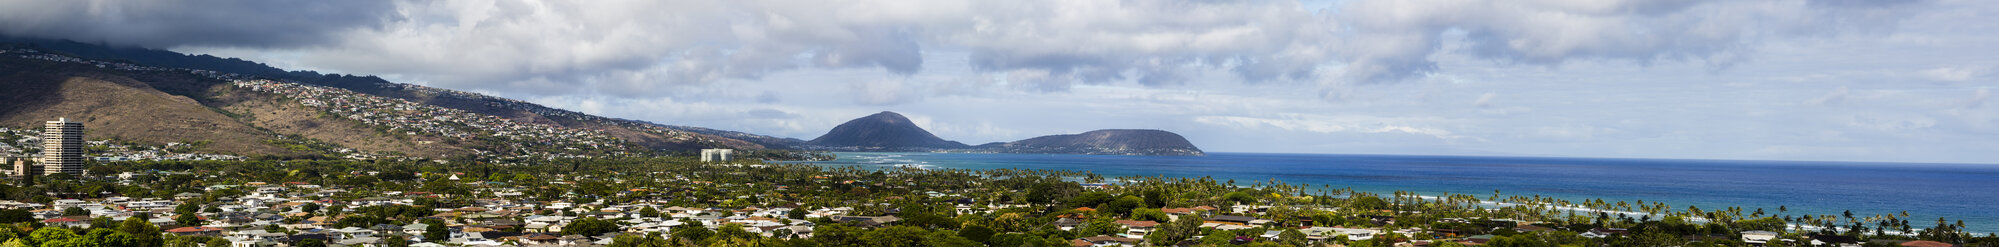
(717, 201)
(535, 184)
(681, 202)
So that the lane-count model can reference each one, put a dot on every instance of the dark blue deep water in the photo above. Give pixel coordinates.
(1926, 191)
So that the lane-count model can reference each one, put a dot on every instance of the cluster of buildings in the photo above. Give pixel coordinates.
(435, 123)
(62, 151)
(505, 103)
(300, 211)
(120, 152)
(35, 54)
(504, 219)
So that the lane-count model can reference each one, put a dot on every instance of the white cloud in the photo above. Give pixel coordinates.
(1392, 40)
(1831, 98)
(1957, 73)
(888, 91)
(1978, 99)
(1333, 125)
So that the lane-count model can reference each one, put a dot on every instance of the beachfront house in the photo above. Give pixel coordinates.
(1758, 237)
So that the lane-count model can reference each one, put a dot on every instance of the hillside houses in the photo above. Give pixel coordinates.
(422, 121)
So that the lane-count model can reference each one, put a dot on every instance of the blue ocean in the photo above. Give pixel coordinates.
(1926, 191)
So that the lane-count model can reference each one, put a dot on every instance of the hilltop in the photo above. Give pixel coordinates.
(885, 131)
(890, 131)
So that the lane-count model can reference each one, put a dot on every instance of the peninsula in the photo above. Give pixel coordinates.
(891, 132)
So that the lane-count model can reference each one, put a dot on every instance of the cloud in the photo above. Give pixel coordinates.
(655, 48)
(173, 23)
(1956, 73)
(1485, 100)
(767, 97)
(1330, 125)
(1892, 124)
(1978, 99)
(769, 114)
(1623, 78)
(891, 91)
(1392, 40)
(1833, 98)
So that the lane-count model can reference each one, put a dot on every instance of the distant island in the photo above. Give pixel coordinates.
(1102, 142)
(891, 132)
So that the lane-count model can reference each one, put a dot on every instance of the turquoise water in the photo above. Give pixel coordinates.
(1926, 191)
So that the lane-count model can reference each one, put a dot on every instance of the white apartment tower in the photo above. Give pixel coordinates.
(716, 155)
(62, 147)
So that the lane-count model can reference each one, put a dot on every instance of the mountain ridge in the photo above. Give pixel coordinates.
(888, 131)
(249, 122)
(649, 134)
(1103, 142)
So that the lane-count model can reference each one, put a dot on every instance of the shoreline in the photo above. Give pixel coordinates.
(1098, 165)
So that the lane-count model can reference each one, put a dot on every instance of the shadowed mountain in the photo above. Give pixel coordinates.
(885, 131)
(891, 132)
(157, 107)
(651, 135)
(1103, 142)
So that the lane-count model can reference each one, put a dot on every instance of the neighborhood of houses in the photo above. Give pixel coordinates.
(12, 140)
(427, 123)
(246, 221)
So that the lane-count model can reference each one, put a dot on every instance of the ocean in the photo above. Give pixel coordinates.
(1927, 191)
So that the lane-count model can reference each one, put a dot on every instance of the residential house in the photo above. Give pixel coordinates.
(196, 231)
(71, 222)
(1233, 220)
(1758, 237)
(1067, 224)
(1101, 241)
(1138, 227)
(1834, 240)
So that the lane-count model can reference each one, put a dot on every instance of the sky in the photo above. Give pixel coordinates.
(1827, 80)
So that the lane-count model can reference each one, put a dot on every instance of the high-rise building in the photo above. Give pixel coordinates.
(716, 155)
(62, 147)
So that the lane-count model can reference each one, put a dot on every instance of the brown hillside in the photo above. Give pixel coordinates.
(154, 108)
(284, 116)
(662, 138)
(113, 107)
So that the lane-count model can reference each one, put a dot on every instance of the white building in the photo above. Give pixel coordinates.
(62, 147)
(1758, 237)
(716, 155)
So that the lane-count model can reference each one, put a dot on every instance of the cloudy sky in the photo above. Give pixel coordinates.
(1843, 80)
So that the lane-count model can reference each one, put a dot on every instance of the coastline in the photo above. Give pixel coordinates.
(1708, 184)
